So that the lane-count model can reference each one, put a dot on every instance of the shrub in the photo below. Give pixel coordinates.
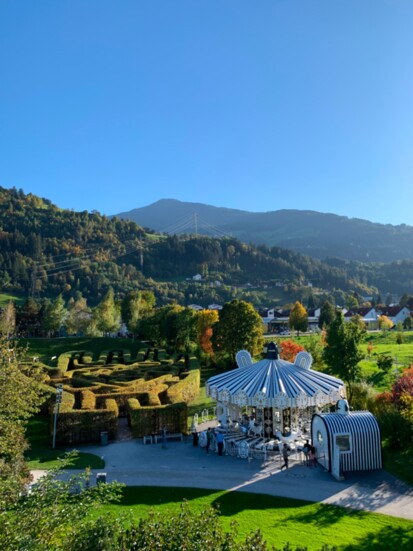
(384, 362)
(186, 390)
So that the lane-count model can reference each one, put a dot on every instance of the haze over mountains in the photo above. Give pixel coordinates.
(320, 235)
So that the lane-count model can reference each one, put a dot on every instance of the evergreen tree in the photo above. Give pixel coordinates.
(327, 314)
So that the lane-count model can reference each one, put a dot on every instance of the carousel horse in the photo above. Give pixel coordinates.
(255, 429)
(288, 439)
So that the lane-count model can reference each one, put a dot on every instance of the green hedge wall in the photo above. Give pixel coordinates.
(186, 390)
(150, 420)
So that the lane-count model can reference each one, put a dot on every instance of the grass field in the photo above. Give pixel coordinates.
(42, 456)
(281, 520)
(5, 298)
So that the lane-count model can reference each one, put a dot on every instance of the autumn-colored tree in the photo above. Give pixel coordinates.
(403, 386)
(289, 350)
(385, 323)
(8, 320)
(298, 319)
(206, 321)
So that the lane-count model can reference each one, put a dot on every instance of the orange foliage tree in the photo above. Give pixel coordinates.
(206, 320)
(289, 350)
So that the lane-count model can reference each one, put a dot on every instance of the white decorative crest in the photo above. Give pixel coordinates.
(281, 401)
(213, 392)
(260, 399)
(301, 401)
(304, 360)
(224, 396)
(334, 396)
(320, 399)
(241, 398)
(243, 358)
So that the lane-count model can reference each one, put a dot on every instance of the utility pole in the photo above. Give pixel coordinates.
(59, 394)
(196, 223)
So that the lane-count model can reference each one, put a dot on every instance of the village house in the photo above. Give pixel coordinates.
(369, 316)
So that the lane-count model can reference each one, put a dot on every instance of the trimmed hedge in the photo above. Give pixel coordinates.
(81, 426)
(87, 400)
(186, 390)
(150, 420)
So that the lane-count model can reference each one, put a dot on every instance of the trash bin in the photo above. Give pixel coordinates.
(100, 478)
(104, 438)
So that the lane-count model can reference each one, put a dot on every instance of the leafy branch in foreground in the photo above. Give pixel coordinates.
(46, 516)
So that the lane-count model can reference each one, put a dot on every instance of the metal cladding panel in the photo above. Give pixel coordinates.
(365, 439)
(273, 377)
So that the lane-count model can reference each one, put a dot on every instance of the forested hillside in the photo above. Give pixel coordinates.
(319, 235)
(45, 251)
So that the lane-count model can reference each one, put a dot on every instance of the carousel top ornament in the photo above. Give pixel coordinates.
(276, 383)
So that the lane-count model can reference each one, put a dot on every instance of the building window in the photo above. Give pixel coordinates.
(319, 437)
(343, 442)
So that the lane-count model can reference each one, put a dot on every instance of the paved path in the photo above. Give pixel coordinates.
(181, 464)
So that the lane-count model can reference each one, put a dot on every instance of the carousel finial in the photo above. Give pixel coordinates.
(272, 351)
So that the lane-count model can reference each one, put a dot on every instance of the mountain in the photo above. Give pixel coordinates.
(46, 251)
(316, 234)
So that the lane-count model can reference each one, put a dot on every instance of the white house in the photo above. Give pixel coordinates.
(395, 313)
(368, 315)
(197, 277)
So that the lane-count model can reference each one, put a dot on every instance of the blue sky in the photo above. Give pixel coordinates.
(250, 104)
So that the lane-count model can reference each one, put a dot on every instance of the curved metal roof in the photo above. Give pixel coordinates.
(276, 383)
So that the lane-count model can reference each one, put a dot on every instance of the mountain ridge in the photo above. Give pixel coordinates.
(320, 235)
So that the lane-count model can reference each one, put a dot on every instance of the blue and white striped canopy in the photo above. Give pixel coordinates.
(275, 383)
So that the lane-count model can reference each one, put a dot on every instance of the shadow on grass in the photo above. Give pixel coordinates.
(326, 515)
(150, 495)
(388, 539)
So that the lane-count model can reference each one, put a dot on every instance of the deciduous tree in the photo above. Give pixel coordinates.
(342, 354)
(21, 394)
(385, 323)
(298, 319)
(289, 350)
(239, 327)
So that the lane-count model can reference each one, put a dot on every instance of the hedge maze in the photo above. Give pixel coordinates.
(149, 388)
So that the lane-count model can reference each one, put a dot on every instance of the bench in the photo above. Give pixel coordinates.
(148, 439)
(169, 436)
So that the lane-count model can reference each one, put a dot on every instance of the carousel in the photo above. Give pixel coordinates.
(273, 398)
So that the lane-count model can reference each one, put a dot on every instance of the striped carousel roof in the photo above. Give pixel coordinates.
(273, 382)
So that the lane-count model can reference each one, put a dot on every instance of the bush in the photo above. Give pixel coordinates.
(363, 396)
(384, 362)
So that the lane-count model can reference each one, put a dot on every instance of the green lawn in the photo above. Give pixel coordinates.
(41, 455)
(281, 520)
(5, 298)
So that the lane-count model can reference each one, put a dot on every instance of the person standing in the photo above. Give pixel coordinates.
(164, 437)
(220, 442)
(285, 452)
(209, 439)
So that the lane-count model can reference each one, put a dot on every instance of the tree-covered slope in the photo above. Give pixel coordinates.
(317, 234)
(46, 251)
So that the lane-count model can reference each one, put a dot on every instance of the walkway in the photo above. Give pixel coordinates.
(181, 464)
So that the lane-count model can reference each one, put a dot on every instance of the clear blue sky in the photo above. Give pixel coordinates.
(250, 104)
